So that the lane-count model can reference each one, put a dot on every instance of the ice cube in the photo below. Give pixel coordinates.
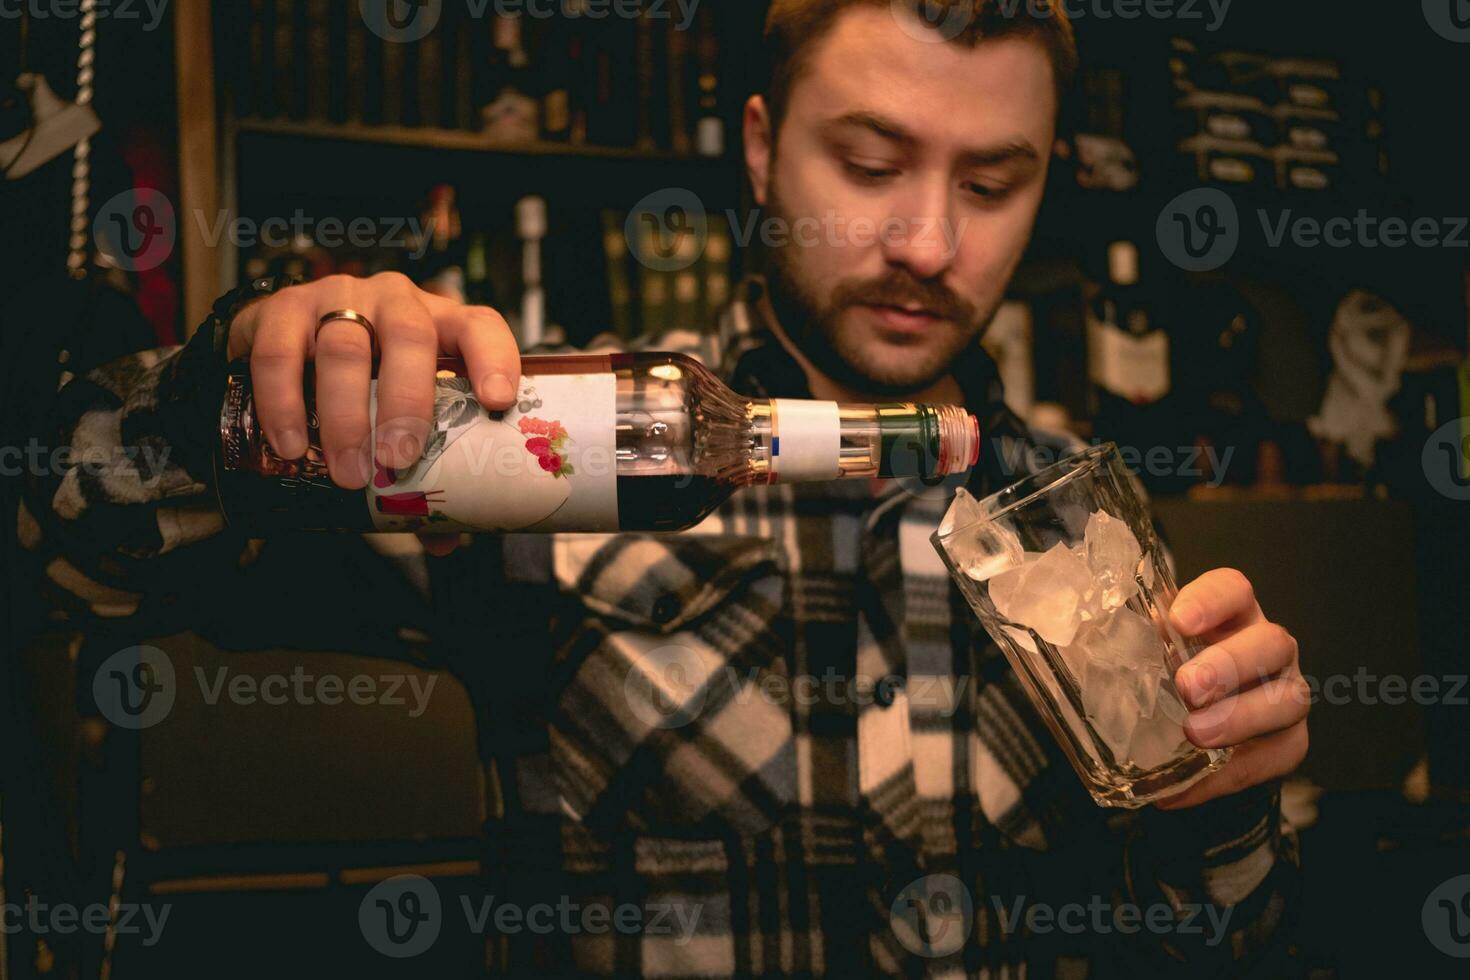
(1157, 742)
(1003, 586)
(1075, 654)
(987, 550)
(1119, 662)
(963, 511)
(1044, 594)
(1147, 680)
(1107, 700)
(1171, 704)
(1112, 558)
(1132, 638)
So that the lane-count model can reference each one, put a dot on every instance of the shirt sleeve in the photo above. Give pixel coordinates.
(118, 513)
(1229, 867)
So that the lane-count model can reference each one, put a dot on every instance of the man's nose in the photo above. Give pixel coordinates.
(915, 235)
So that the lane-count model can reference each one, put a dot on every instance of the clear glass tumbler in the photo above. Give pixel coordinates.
(1066, 574)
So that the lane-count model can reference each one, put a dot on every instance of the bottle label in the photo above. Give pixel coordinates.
(549, 463)
(1136, 368)
(806, 440)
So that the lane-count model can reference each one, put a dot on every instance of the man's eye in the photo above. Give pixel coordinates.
(987, 192)
(870, 174)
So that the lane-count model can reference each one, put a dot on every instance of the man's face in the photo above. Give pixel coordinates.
(908, 175)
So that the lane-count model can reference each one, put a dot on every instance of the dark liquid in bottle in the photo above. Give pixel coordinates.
(666, 502)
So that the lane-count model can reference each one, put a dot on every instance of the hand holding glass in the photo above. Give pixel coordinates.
(1066, 574)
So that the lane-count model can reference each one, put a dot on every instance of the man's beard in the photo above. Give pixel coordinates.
(812, 321)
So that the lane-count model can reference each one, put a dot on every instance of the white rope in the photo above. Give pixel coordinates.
(81, 170)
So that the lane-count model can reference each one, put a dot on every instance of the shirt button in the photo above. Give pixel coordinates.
(666, 608)
(886, 690)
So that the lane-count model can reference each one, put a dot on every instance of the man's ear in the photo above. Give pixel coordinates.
(756, 124)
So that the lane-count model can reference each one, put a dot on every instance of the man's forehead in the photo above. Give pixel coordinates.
(866, 64)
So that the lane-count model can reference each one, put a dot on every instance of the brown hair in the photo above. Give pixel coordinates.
(793, 27)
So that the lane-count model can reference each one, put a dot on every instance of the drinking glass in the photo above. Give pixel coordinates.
(1066, 574)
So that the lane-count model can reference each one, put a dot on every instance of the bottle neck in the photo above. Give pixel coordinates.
(797, 441)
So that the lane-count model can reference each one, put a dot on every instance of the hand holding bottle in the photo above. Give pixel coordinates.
(279, 334)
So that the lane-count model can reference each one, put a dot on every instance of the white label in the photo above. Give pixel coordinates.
(1136, 368)
(806, 440)
(547, 464)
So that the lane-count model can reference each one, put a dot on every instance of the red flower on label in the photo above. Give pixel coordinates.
(546, 443)
(540, 427)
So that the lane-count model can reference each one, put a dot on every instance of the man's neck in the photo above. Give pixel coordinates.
(945, 391)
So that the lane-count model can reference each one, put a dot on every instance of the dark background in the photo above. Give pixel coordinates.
(259, 831)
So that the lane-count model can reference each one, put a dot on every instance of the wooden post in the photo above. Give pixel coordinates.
(198, 158)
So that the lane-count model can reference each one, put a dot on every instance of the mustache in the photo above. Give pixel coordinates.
(900, 289)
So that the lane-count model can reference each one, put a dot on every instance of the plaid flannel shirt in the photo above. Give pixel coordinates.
(782, 736)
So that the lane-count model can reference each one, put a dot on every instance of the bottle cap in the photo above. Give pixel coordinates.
(531, 217)
(1123, 263)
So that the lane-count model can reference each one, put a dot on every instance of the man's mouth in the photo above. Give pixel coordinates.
(904, 319)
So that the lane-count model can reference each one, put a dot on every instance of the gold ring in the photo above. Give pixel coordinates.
(355, 317)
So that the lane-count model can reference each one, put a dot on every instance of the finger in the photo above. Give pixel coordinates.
(410, 351)
(344, 365)
(1241, 660)
(247, 321)
(439, 545)
(1222, 598)
(1272, 707)
(277, 374)
(483, 340)
(1255, 762)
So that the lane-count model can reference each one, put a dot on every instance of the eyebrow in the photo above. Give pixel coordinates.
(1017, 149)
